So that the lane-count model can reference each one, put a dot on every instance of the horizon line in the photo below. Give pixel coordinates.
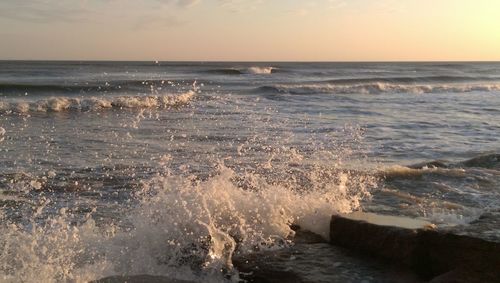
(256, 61)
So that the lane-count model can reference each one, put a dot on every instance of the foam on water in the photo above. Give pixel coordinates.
(260, 70)
(59, 104)
(379, 87)
(242, 71)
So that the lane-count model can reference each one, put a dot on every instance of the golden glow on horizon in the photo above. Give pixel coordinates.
(265, 30)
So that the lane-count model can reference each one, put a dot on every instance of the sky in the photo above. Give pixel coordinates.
(251, 30)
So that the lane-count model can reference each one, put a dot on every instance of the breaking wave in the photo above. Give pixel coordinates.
(375, 88)
(59, 104)
(465, 188)
(182, 227)
(413, 80)
(261, 70)
(242, 71)
(445, 169)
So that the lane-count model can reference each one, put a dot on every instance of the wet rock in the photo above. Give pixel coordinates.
(306, 237)
(258, 268)
(428, 252)
(318, 263)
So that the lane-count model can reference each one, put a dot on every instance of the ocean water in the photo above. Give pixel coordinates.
(175, 168)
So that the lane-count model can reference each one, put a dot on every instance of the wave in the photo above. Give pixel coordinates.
(261, 70)
(489, 161)
(448, 193)
(242, 71)
(484, 169)
(374, 88)
(180, 228)
(412, 80)
(59, 104)
(443, 167)
(399, 172)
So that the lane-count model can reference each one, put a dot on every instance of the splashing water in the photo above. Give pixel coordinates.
(261, 70)
(182, 226)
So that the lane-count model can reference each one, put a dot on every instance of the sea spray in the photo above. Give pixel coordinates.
(183, 227)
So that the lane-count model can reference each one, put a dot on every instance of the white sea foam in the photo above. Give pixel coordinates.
(58, 104)
(453, 218)
(376, 88)
(260, 70)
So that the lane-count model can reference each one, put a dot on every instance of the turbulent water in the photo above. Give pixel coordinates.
(123, 168)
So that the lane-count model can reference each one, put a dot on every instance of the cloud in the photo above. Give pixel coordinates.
(187, 3)
(39, 11)
(51, 11)
(180, 3)
(240, 5)
(337, 4)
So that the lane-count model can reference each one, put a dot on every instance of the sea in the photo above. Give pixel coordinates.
(176, 168)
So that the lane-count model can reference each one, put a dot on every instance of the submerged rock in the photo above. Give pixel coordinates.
(318, 263)
(431, 254)
(312, 259)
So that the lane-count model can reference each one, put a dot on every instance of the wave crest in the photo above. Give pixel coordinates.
(59, 104)
(242, 71)
(261, 70)
(376, 88)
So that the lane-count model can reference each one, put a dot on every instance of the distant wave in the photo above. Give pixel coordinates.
(242, 71)
(261, 70)
(413, 80)
(374, 88)
(59, 104)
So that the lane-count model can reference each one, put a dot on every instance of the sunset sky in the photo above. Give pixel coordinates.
(251, 30)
